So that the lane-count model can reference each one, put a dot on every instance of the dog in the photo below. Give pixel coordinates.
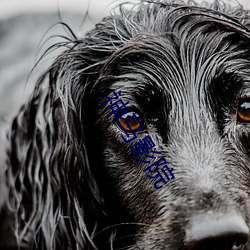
(184, 71)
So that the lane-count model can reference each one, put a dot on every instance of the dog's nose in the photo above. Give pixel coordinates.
(217, 232)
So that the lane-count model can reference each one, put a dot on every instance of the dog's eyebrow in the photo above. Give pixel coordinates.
(146, 60)
(227, 82)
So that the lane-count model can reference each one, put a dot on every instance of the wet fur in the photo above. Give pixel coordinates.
(73, 183)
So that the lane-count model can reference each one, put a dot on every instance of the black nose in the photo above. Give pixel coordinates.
(216, 232)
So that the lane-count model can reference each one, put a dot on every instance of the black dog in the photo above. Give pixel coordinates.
(73, 181)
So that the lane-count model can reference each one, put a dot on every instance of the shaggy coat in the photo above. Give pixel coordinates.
(73, 182)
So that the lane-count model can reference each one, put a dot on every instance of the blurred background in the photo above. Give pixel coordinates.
(25, 29)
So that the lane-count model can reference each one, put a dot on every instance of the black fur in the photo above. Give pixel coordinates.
(73, 183)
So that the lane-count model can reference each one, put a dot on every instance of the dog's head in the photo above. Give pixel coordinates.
(185, 73)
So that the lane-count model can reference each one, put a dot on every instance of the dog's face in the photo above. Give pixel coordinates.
(187, 79)
(184, 73)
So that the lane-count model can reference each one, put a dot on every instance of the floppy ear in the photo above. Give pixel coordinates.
(53, 195)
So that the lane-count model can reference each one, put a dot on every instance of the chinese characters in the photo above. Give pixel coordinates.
(131, 124)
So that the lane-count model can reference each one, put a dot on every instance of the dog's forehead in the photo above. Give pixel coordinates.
(188, 54)
(179, 63)
(165, 64)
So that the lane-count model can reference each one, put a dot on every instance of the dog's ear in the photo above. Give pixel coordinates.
(52, 191)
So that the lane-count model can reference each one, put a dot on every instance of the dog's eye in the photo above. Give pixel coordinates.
(243, 113)
(133, 123)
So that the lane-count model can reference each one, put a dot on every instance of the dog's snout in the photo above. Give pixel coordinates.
(223, 232)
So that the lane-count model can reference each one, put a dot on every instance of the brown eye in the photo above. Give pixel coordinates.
(129, 118)
(243, 113)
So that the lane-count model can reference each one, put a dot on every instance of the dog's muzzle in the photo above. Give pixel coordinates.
(217, 232)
